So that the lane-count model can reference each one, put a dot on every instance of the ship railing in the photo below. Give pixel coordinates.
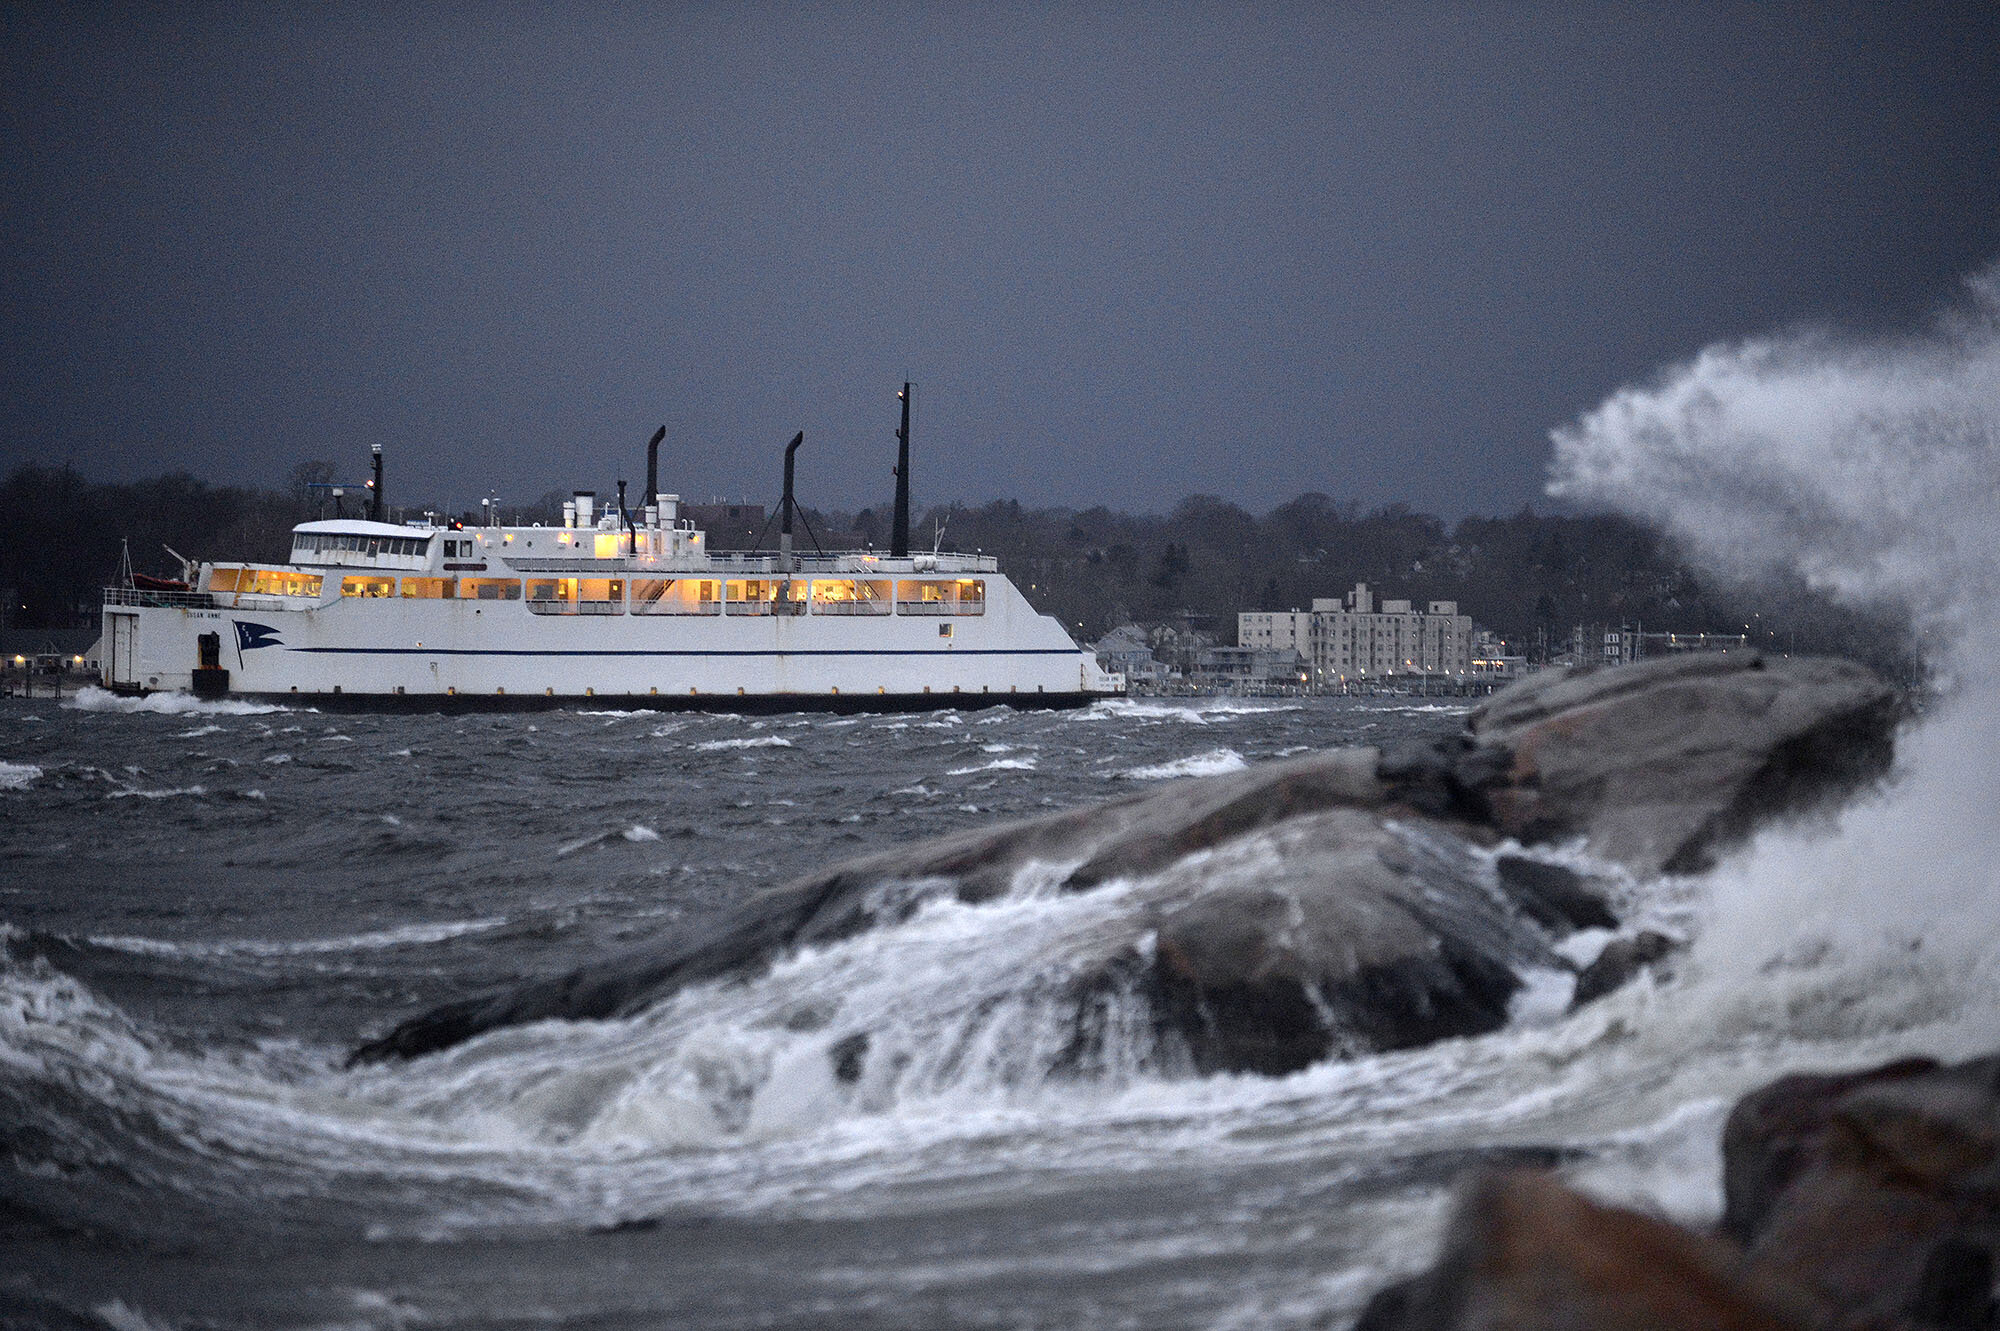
(745, 563)
(764, 607)
(940, 607)
(135, 596)
(543, 606)
(850, 607)
(667, 605)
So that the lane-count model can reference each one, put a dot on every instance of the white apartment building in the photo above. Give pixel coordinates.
(1349, 638)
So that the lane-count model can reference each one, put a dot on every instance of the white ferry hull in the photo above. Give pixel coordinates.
(499, 655)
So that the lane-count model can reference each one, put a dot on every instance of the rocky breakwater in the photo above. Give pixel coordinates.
(1341, 902)
(1855, 1200)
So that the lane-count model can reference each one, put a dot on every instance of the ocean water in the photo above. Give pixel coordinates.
(204, 906)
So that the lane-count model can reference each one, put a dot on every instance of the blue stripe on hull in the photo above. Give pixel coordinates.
(517, 651)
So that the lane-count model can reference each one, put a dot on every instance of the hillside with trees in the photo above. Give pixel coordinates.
(1529, 577)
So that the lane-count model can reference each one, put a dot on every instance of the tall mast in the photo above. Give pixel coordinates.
(899, 534)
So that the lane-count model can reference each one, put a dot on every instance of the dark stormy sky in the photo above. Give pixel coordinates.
(1128, 252)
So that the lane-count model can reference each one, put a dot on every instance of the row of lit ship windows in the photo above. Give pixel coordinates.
(832, 596)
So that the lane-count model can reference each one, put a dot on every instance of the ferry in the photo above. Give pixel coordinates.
(616, 607)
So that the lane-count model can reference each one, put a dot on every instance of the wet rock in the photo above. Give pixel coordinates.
(1525, 1253)
(1336, 934)
(849, 1054)
(1619, 963)
(1776, 1132)
(1661, 764)
(1857, 1200)
(1552, 895)
(1121, 838)
(1895, 1208)
(1353, 935)
(1194, 816)
(1955, 1290)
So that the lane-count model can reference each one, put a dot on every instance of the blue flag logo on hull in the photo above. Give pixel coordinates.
(249, 636)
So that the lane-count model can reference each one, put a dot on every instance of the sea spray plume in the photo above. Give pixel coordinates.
(1872, 468)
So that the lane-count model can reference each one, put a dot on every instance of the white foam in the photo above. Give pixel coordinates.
(1212, 763)
(409, 935)
(133, 792)
(750, 742)
(997, 765)
(1872, 468)
(18, 776)
(1193, 711)
(93, 699)
(640, 832)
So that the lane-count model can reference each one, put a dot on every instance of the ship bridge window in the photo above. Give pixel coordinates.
(941, 596)
(320, 543)
(676, 596)
(489, 589)
(367, 586)
(850, 596)
(428, 589)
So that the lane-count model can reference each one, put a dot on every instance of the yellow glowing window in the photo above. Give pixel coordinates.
(941, 596)
(850, 596)
(280, 582)
(368, 587)
(427, 589)
(676, 596)
(489, 589)
(610, 544)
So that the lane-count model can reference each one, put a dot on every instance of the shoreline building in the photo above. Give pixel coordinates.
(1346, 638)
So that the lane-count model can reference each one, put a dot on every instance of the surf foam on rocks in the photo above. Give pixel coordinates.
(1342, 902)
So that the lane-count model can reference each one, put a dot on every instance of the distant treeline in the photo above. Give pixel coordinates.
(1530, 577)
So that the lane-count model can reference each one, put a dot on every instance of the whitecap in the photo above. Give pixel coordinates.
(997, 765)
(157, 794)
(408, 935)
(1212, 763)
(93, 699)
(753, 742)
(18, 776)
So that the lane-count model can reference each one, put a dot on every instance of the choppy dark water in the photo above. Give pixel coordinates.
(203, 910)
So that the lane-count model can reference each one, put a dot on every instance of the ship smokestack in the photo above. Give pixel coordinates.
(375, 487)
(652, 491)
(626, 518)
(785, 506)
(899, 533)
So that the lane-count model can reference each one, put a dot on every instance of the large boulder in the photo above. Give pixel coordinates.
(1525, 1253)
(1877, 1190)
(1363, 921)
(1660, 764)
(1337, 933)
(1865, 1199)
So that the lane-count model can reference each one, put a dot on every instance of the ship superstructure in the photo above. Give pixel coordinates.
(622, 605)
